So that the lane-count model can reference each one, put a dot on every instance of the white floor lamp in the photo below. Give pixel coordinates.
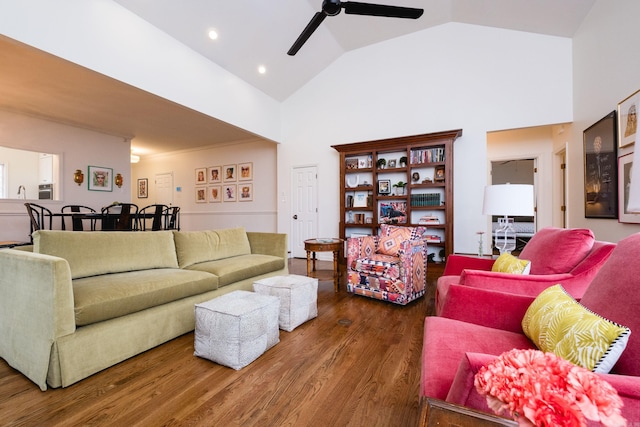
(507, 200)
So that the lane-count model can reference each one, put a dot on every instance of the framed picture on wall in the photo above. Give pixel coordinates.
(143, 187)
(100, 179)
(201, 176)
(246, 192)
(215, 194)
(229, 193)
(625, 164)
(201, 194)
(628, 119)
(215, 174)
(230, 173)
(601, 169)
(246, 171)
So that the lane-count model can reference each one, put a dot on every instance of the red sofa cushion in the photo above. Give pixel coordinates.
(557, 250)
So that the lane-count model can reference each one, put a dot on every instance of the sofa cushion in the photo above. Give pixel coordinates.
(557, 250)
(108, 296)
(235, 269)
(91, 253)
(406, 233)
(379, 265)
(556, 323)
(389, 245)
(193, 247)
(507, 263)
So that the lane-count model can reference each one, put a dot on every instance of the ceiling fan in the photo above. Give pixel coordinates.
(333, 7)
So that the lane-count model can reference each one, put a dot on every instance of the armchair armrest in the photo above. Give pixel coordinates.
(486, 307)
(357, 246)
(530, 285)
(457, 263)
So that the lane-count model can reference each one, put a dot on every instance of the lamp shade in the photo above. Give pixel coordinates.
(508, 200)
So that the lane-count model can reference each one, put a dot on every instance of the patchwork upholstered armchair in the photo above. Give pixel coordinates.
(389, 267)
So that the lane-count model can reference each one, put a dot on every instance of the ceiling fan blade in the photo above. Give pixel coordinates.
(357, 8)
(306, 33)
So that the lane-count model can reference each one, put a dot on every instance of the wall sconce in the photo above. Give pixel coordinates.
(118, 180)
(78, 177)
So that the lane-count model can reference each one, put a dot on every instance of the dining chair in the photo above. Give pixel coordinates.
(120, 217)
(172, 218)
(151, 217)
(77, 220)
(40, 218)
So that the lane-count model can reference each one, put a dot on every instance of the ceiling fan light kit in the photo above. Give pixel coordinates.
(333, 7)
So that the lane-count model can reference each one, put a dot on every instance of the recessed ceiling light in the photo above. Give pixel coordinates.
(213, 34)
(262, 69)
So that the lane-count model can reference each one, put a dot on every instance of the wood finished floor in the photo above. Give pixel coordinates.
(357, 364)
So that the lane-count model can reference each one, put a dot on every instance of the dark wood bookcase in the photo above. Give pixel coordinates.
(369, 198)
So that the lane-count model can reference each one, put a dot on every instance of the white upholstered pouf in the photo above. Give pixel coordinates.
(298, 298)
(236, 328)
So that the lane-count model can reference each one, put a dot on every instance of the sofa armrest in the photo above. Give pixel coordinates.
(268, 243)
(36, 307)
(485, 307)
(524, 284)
(457, 263)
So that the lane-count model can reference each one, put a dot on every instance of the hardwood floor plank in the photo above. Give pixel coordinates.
(356, 364)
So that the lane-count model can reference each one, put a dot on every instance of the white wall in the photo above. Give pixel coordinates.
(78, 149)
(453, 76)
(256, 215)
(606, 69)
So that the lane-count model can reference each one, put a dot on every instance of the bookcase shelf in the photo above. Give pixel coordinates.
(424, 163)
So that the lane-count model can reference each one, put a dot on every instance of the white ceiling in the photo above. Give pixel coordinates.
(252, 32)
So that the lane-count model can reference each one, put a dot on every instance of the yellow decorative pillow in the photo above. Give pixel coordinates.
(557, 323)
(507, 263)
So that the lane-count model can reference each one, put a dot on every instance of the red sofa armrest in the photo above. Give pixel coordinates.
(486, 307)
(530, 285)
(456, 263)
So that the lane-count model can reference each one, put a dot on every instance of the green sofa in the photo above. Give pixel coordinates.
(80, 302)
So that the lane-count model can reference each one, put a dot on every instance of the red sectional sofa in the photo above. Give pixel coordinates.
(478, 324)
(568, 256)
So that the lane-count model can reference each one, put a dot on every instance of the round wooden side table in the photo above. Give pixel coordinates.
(324, 245)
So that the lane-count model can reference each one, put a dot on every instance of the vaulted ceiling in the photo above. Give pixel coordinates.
(250, 33)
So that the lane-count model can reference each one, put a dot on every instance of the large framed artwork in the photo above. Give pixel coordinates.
(100, 178)
(601, 169)
(628, 119)
(625, 164)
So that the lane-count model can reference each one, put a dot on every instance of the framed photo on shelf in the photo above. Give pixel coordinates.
(201, 176)
(351, 163)
(601, 169)
(143, 187)
(384, 186)
(360, 199)
(215, 194)
(392, 163)
(628, 119)
(230, 173)
(438, 174)
(229, 193)
(625, 164)
(201, 194)
(100, 179)
(246, 171)
(215, 174)
(246, 192)
(362, 163)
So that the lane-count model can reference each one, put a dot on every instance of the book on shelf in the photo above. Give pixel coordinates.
(433, 239)
(426, 199)
(427, 155)
(429, 219)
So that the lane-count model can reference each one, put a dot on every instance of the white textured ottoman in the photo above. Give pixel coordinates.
(236, 328)
(298, 298)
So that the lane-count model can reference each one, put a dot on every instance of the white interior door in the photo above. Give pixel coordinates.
(164, 189)
(304, 222)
